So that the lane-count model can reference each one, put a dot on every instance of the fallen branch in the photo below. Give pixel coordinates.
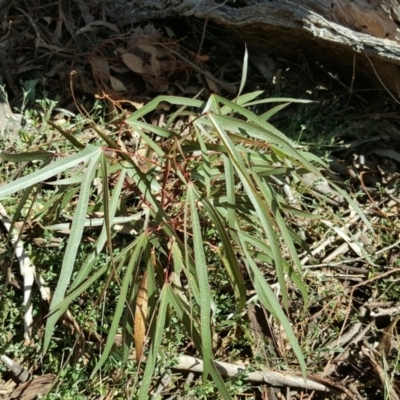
(273, 378)
(28, 271)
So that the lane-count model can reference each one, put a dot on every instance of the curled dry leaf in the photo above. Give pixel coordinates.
(140, 318)
(212, 85)
(133, 62)
(90, 26)
(385, 342)
(29, 390)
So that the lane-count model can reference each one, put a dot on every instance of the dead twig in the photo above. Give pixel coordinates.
(355, 287)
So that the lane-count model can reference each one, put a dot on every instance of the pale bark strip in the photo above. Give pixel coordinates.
(141, 318)
(19, 373)
(28, 271)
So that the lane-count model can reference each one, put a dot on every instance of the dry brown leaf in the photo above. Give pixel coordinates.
(140, 318)
(117, 85)
(66, 16)
(155, 67)
(29, 390)
(85, 11)
(133, 62)
(90, 25)
(212, 85)
(170, 33)
(6, 388)
(100, 68)
(119, 69)
(156, 85)
(154, 51)
(203, 57)
(81, 81)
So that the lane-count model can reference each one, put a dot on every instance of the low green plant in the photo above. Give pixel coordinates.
(204, 195)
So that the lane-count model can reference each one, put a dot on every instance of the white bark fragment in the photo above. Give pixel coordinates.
(28, 271)
(272, 378)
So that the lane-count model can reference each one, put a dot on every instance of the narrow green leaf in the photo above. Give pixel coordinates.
(268, 114)
(71, 138)
(219, 382)
(188, 268)
(244, 70)
(145, 127)
(265, 132)
(67, 181)
(27, 156)
(90, 152)
(202, 274)
(152, 105)
(184, 315)
(259, 204)
(21, 204)
(230, 191)
(298, 213)
(100, 242)
(354, 205)
(127, 323)
(279, 100)
(73, 294)
(228, 258)
(206, 162)
(106, 203)
(157, 333)
(151, 143)
(134, 262)
(242, 100)
(271, 303)
(73, 245)
(269, 199)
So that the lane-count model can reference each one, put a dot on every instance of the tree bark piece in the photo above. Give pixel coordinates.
(342, 35)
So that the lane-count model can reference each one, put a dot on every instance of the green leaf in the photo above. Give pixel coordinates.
(202, 274)
(184, 315)
(73, 244)
(157, 333)
(90, 152)
(270, 113)
(227, 256)
(206, 162)
(152, 105)
(259, 204)
(101, 241)
(134, 262)
(244, 71)
(270, 302)
(28, 156)
(188, 267)
(71, 138)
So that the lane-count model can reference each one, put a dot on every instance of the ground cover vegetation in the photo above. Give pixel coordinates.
(166, 210)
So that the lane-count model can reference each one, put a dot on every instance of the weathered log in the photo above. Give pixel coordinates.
(361, 36)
